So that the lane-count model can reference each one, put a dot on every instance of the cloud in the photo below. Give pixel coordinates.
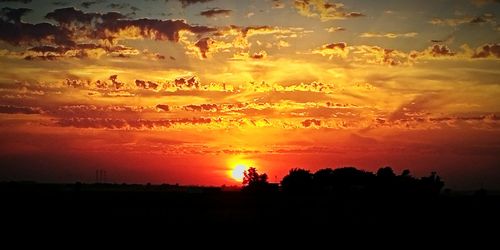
(117, 84)
(487, 50)
(333, 49)
(204, 45)
(379, 55)
(87, 4)
(187, 83)
(163, 107)
(354, 14)
(120, 6)
(324, 10)
(335, 29)
(388, 35)
(9, 109)
(111, 85)
(434, 51)
(136, 124)
(448, 40)
(19, 1)
(112, 26)
(311, 122)
(87, 50)
(235, 39)
(146, 84)
(484, 18)
(13, 15)
(259, 55)
(278, 4)
(16, 32)
(79, 34)
(202, 107)
(215, 12)
(186, 3)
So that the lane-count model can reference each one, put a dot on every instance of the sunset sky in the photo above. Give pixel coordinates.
(183, 91)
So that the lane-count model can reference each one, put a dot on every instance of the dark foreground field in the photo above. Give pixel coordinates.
(170, 206)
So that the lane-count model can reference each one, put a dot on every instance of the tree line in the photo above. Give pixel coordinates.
(345, 180)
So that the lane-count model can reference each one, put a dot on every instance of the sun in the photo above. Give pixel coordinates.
(238, 172)
(237, 167)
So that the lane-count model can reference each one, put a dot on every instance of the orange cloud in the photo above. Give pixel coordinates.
(388, 35)
(324, 10)
(333, 49)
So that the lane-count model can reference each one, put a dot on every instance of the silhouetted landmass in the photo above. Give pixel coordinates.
(343, 199)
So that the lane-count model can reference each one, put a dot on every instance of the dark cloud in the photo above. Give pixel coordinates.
(146, 84)
(60, 3)
(354, 14)
(8, 109)
(204, 45)
(87, 4)
(436, 50)
(106, 26)
(457, 21)
(99, 30)
(140, 124)
(46, 52)
(118, 6)
(324, 10)
(117, 84)
(186, 3)
(258, 55)
(441, 50)
(278, 4)
(484, 18)
(163, 107)
(488, 50)
(340, 45)
(16, 32)
(67, 16)
(215, 12)
(13, 15)
(187, 83)
(202, 107)
(95, 111)
(19, 1)
(311, 122)
(151, 28)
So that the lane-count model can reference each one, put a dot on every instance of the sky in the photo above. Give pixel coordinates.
(183, 91)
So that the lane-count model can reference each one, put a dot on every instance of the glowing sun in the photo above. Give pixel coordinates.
(237, 173)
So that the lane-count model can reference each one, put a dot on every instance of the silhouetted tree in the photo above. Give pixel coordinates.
(405, 173)
(385, 172)
(255, 182)
(342, 180)
(297, 181)
(324, 180)
(349, 180)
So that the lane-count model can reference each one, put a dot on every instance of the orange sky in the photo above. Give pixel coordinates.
(181, 91)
